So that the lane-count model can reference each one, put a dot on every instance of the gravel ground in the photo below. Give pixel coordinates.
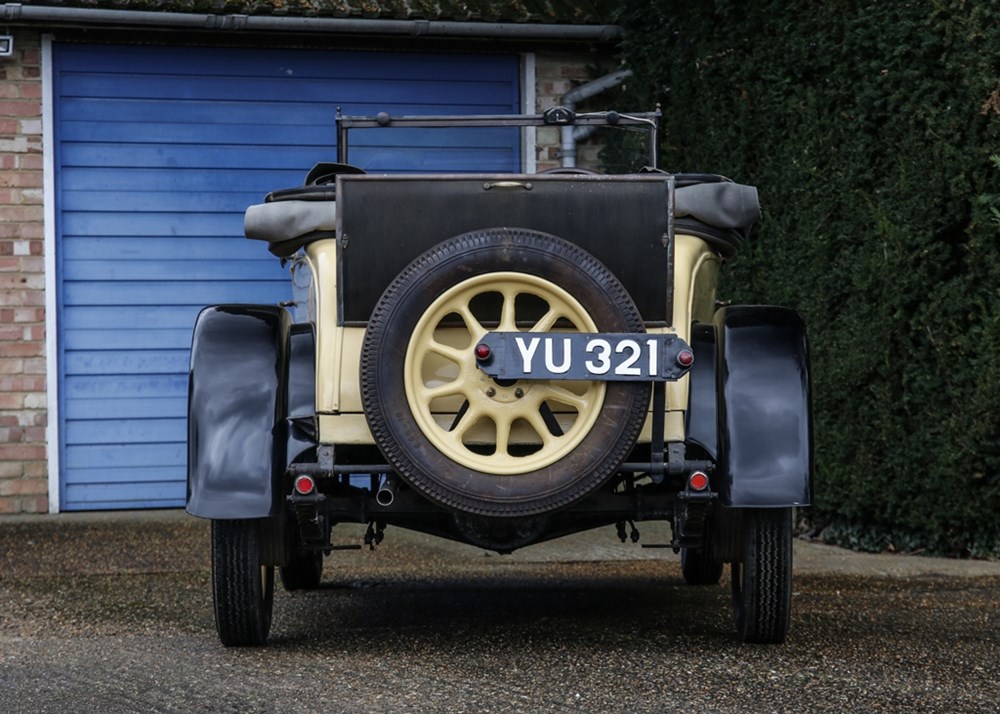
(112, 612)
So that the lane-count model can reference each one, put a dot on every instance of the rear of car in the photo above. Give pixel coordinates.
(500, 359)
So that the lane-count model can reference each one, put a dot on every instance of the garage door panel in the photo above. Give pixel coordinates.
(121, 362)
(83, 224)
(231, 63)
(203, 293)
(156, 316)
(121, 339)
(472, 91)
(136, 495)
(159, 151)
(127, 247)
(255, 182)
(185, 156)
(214, 201)
(127, 455)
(127, 431)
(171, 270)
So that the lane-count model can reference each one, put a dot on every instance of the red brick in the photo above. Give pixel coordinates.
(22, 349)
(11, 435)
(21, 383)
(19, 108)
(23, 487)
(22, 178)
(10, 505)
(10, 366)
(11, 469)
(30, 90)
(24, 314)
(11, 401)
(34, 264)
(31, 56)
(22, 452)
(21, 214)
(37, 504)
(36, 469)
(22, 298)
(33, 435)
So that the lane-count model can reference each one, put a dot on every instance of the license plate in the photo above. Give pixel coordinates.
(608, 357)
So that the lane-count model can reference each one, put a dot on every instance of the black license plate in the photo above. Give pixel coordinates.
(608, 357)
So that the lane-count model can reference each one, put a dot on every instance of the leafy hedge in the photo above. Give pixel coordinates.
(868, 128)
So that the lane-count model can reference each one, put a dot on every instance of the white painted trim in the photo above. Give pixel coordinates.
(529, 152)
(51, 303)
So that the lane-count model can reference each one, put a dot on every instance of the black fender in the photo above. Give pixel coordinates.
(765, 451)
(243, 386)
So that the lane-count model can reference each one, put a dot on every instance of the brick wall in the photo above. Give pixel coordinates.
(23, 415)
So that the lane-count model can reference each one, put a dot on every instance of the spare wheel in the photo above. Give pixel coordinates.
(484, 446)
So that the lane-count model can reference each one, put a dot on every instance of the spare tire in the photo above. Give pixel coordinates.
(484, 446)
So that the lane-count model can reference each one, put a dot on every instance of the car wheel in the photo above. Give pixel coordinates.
(242, 588)
(484, 446)
(699, 567)
(304, 571)
(762, 582)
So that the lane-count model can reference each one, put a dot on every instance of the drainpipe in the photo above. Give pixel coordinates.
(572, 134)
(18, 13)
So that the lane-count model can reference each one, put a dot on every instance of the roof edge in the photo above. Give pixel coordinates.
(16, 13)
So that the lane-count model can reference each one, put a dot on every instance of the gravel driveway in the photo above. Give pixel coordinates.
(112, 612)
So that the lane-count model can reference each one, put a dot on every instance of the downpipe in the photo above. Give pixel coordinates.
(570, 135)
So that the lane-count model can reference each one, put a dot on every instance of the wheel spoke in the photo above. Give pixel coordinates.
(471, 321)
(503, 425)
(469, 419)
(546, 321)
(508, 320)
(448, 352)
(555, 393)
(429, 394)
(537, 422)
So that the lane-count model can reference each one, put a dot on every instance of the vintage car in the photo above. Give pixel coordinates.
(500, 359)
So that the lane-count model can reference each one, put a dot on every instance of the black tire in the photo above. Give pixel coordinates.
(464, 486)
(242, 588)
(304, 571)
(699, 567)
(762, 582)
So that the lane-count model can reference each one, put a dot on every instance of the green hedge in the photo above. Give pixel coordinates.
(868, 128)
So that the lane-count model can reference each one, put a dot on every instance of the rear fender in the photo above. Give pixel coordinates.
(765, 427)
(241, 385)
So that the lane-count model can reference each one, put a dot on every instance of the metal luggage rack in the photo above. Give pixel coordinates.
(555, 116)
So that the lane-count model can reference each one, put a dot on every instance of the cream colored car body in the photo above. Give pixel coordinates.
(338, 349)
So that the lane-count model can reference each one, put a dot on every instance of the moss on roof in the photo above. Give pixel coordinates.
(530, 11)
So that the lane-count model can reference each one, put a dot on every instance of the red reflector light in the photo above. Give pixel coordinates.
(305, 485)
(483, 351)
(685, 358)
(698, 481)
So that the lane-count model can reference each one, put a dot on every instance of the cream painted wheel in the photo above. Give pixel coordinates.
(484, 446)
(494, 427)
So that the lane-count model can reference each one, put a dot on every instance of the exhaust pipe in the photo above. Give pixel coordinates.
(386, 492)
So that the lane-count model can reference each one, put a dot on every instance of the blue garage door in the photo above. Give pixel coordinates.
(159, 151)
